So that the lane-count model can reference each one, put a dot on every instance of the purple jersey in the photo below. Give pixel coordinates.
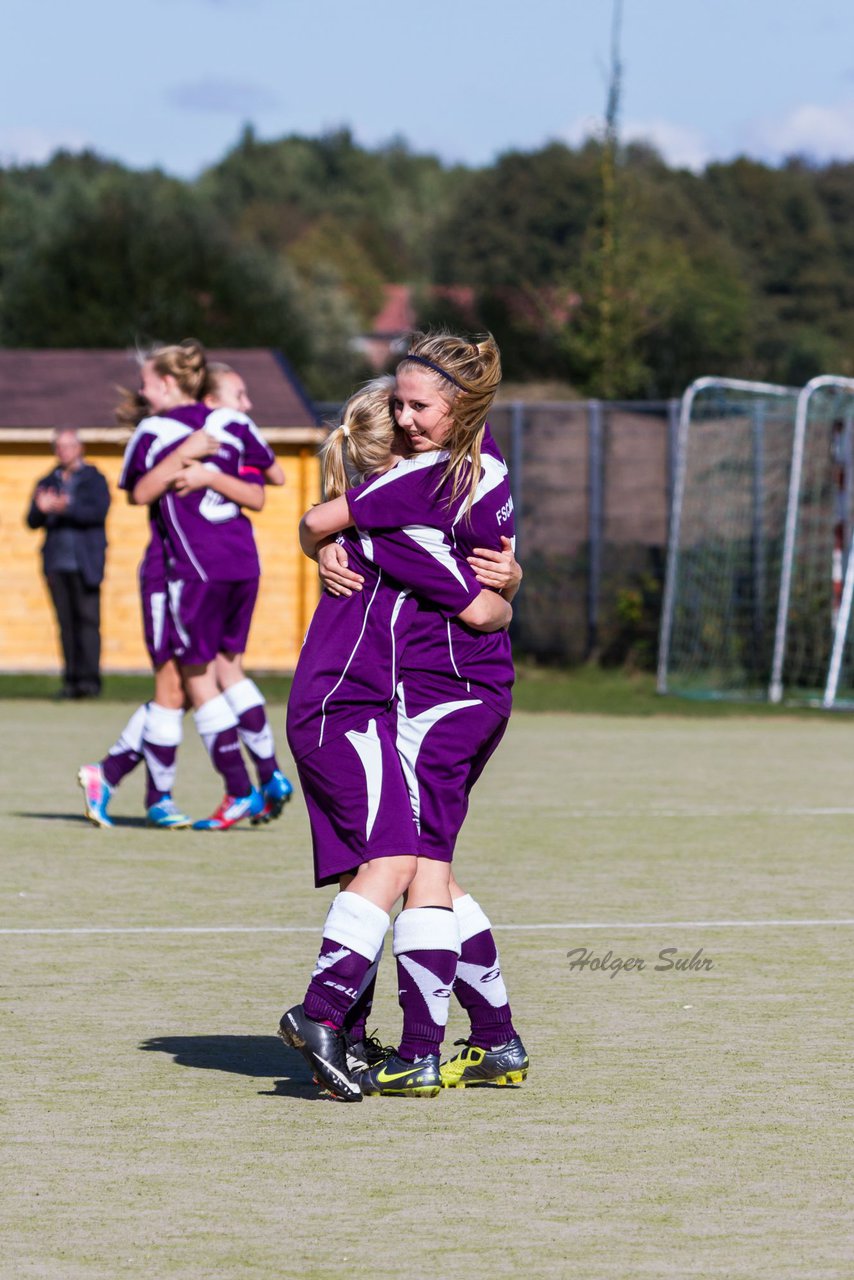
(349, 666)
(206, 536)
(414, 497)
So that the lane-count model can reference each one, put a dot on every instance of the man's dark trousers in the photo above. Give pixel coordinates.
(78, 612)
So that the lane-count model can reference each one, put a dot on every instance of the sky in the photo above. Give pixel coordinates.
(171, 83)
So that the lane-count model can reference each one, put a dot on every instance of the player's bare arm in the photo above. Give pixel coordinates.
(155, 483)
(198, 476)
(487, 612)
(321, 522)
(332, 567)
(497, 569)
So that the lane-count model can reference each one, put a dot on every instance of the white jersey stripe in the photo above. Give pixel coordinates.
(494, 473)
(349, 660)
(398, 605)
(433, 542)
(369, 750)
(173, 515)
(420, 462)
(411, 732)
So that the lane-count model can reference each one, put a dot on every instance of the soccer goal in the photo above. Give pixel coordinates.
(760, 579)
(811, 639)
(725, 546)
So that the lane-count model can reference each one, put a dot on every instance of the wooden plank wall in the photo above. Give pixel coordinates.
(28, 637)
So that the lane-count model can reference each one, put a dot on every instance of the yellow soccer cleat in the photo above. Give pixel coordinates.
(508, 1064)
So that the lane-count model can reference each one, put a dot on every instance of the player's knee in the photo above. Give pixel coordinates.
(384, 880)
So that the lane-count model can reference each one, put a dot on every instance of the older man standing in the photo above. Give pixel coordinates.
(71, 504)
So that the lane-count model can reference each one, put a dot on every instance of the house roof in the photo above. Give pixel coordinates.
(397, 314)
(77, 388)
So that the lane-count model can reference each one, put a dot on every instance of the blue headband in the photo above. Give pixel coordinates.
(437, 368)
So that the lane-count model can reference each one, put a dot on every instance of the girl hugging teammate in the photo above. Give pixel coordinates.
(196, 466)
(418, 690)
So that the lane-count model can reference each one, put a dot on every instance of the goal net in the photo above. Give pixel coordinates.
(760, 579)
(726, 540)
(811, 653)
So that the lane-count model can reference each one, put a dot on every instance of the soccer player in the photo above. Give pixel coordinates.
(432, 493)
(453, 704)
(154, 731)
(212, 562)
(174, 377)
(226, 389)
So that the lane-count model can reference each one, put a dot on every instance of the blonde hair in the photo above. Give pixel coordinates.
(467, 377)
(214, 374)
(361, 444)
(185, 361)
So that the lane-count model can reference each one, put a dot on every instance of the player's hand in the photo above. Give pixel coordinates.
(194, 476)
(497, 569)
(197, 445)
(335, 577)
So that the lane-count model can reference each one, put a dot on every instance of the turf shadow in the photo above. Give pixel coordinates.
(243, 1055)
(78, 818)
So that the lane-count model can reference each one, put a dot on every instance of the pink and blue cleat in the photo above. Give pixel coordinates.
(97, 793)
(232, 809)
(167, 815)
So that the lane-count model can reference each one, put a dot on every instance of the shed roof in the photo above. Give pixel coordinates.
(77, 388)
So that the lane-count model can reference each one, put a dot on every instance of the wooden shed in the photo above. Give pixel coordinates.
(43, 390)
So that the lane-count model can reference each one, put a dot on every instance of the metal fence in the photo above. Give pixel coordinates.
(592, 483)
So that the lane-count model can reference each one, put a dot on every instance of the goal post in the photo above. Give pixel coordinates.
(819, 508)
(725, 538)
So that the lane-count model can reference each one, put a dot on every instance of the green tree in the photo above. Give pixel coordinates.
(128, 256)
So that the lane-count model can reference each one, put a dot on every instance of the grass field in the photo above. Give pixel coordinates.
(677, 1124)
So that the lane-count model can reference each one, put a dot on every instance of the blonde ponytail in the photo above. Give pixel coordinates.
(361, 444)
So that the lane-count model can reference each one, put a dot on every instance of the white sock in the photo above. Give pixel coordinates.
(130, 738)
(356, 923)
(243, 697)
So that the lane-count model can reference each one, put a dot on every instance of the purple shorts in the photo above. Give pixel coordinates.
(445, 739)
(211, 618)
(157, 625)
(357, 800)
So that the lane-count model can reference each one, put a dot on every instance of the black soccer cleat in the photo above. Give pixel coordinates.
(323, 1049)
(508, 1064)
(367, 1052)
(394, 1077)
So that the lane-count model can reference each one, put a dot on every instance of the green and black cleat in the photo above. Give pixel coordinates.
(508, 1064)
(394, 1077)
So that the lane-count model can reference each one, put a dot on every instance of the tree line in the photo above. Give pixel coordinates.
(745, 270)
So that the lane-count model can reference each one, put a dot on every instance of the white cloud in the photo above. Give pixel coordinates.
(823, 133)
(680, 147)
(34, 146)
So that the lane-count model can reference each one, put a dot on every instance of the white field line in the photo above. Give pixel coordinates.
(710, 811)
(614, 925)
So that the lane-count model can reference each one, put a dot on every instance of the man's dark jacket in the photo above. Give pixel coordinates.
(89, 501)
